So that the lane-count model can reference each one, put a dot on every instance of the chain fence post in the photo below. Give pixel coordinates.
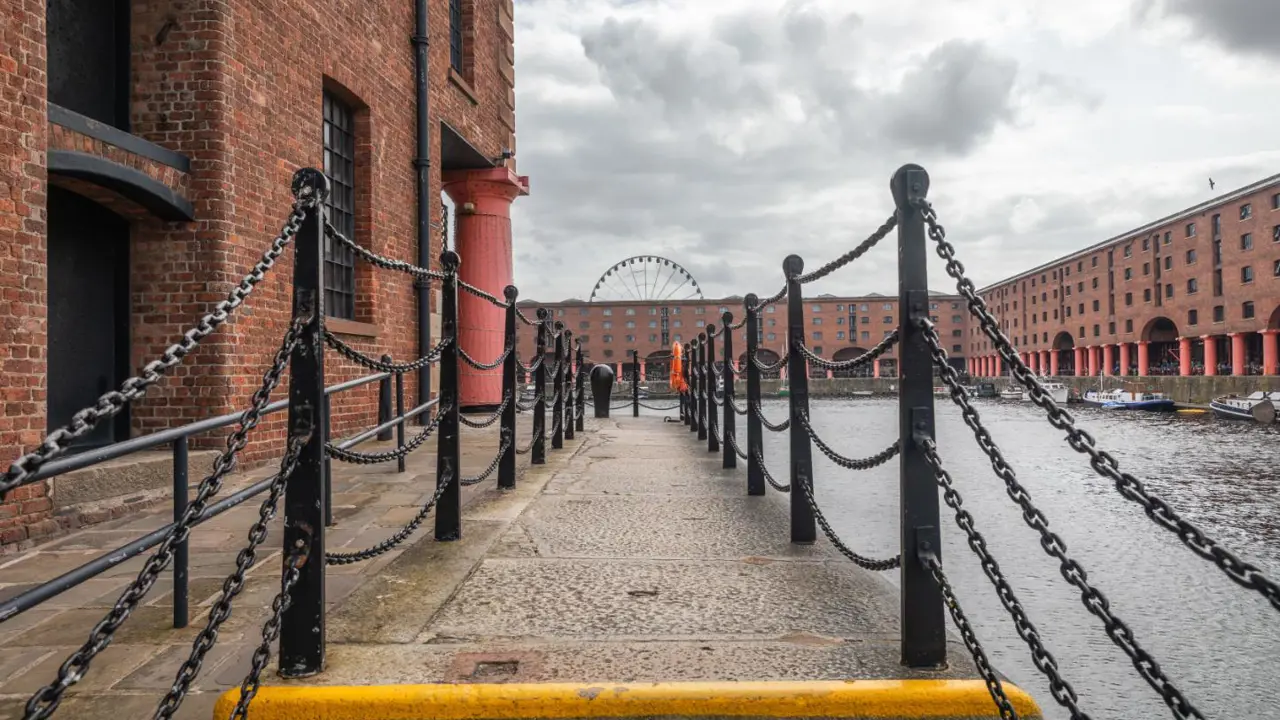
(730, 417)
(328, 465)
(580, 395)
(510, 391)
(449, 449)
(557, 410)
(538, 456)
(700, 352)
(635, 383)
(924, 641)
(691, 387)
(755, 433)
(181, 557)
(302, 626)
(803, 528)
(384, 403)
(567, 420)
(713, 444)
(400, 428)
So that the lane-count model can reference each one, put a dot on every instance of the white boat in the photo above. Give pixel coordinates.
(1259, 406)
(1013, 392)
(1060, 393)
(1128, 400)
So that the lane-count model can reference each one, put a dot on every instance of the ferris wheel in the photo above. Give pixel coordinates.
(645, 277)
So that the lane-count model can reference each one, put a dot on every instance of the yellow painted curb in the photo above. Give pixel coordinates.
(840, 699)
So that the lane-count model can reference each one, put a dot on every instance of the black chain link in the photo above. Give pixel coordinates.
(806, 489)
(971, 640)
(1093, 600)
(734, 405)
(733, 441)
(373, 258)
(1062, 691)
(270, 631)
(360, 358)
(881, 348)
(619, 407)
(495, 417)
(766, 302)
(472, 289)
(876, 460)
(1243, 573)
(532, 441)
(111, 403)
(484, 366)
(532, 403)
(780, 427)
(524, 319)
(362, 458)
(45, 700)
(347, 558)
(528, 368)
(766, 367)
(506, 443)
(871, 241)
(659, 409)
(764, 470)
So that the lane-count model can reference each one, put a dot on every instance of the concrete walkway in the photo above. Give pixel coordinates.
(371, 503)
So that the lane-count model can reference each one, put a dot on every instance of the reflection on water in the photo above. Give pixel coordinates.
(1219, 643)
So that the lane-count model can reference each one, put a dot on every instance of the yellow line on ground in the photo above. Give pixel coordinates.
(839, 699)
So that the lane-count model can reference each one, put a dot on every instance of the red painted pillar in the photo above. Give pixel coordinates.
(999, 366)
(1184, 356)
(1093, 360)
(1210, 354)
(875, 367)
(482, 199)
(1144, 358)
(1053, 363)
(1032, 361)
(1108, 359)
(1237, 354)
(1124, 359)
(642, 371)
(1270, 351)
(1081, 368)
(830, 374)
(1046, 358)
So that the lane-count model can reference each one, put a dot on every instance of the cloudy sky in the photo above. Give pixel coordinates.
(726, 134)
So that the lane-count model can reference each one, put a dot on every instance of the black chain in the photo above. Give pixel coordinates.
(347, 558)
(112, 402)
(971, 640)
(766, 367)
(659, 409)
(495, 417)
(770, 300)
(232, 586)
(1093, 600)
(532, 403)
(780, 427)
(532, 440)
(270, 631)
(738, 325)
(383, 262)
(876, 460)
(379, 366)
(484, 366)
(524, 319)
(764, 470)
(506, 443)
(45, 700)
(528, 368)
(863, 562)
(881, 348)
(1243, 573)
(619, 407)
(1062, 691)
(871, 241)
(552, 371)
(472, 289)
(734, 405)
(362, 458)
(733, 440)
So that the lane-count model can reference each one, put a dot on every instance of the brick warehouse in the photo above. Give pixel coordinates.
(841, 327)
(146, 150)
(1194, 293)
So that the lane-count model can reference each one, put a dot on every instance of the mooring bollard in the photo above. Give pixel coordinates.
(601, 387)
(449, 445)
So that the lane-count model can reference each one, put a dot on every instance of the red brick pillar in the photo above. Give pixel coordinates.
(1237, 354)
(1093, 361)
(1045, 360)
(1144, 358)
(1053, 363)
(1210, 354)
(998, 365)
(483, 235)
(1124, 359)
(1032, 361)
(642, 371)
(1270, 351)
(1081, 368)
(1108, 359)
(1184, 356)
(875, 367)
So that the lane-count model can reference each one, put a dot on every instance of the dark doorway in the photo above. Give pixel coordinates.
(88, 258)
(88, 56)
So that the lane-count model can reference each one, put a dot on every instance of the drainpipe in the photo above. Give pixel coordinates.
(422, 163)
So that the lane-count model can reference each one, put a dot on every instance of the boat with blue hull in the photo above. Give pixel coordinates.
(1129, 400)
(1257, 407)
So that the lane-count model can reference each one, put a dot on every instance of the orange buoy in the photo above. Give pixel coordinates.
(677, 369)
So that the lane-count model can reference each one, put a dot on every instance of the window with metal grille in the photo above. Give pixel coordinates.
(455, 34)
(339, 166)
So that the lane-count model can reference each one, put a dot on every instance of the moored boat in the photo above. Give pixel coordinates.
(1128, 400)
(1258, 407)
(1013, 392)
(1057, 391)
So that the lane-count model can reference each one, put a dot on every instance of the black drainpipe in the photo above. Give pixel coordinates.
(423, 165)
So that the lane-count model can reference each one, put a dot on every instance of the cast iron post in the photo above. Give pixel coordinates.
(730, 417)
(568, 385)
(511, 392)
(755, 439)
(557, 411)
(709, 368)
(580, 420)
(539, 452)
(803, 528)
(449, 450)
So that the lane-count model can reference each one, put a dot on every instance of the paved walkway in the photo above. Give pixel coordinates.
(126, 681)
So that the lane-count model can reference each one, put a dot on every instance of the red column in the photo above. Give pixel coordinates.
(1210, 354)
(1270, 351)
(1237, 354)
(1124, 359)
(1033, 362)
(875, 367)
(1093, 360)
(1080, 364)
(1184, 356)
(1045, 357)
(829, 374)
(642, 371)
(1053, 363)
(1108, 359)
(483, 237)
(1144, 358)
(999, 366)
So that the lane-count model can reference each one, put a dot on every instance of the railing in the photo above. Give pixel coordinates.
(302, 480)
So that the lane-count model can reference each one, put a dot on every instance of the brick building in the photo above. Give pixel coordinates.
(838, 327)
(1194, 293)
(146, 151)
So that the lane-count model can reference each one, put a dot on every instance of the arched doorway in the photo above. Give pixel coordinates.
(849, 353)
(1162, 335)
(1064, 346)
(88, 341)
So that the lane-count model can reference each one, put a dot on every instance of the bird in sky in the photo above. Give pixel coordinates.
(1211, 183)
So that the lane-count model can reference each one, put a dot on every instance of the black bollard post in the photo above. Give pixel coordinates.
(449, 448)
(580, 420)
(568, 384)
(803, 529)
(727, 374)
(713, 444)
(755, 439)
(328, 466)
(511, 392)
(400, 428)
(302, 626)
(384, 402)
(924, 642)
(635, 383)
(557, 411)
(539, 452)
(701, 352)
(601, 387)
(691, 381)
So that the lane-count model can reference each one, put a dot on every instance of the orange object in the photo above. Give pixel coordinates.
(677, 368)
